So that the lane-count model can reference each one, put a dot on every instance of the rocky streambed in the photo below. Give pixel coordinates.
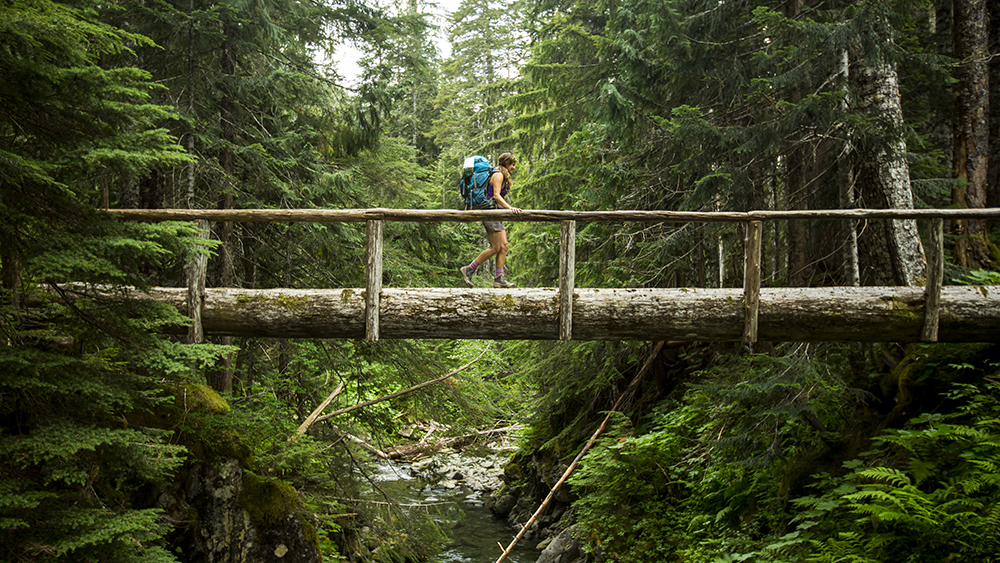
(493, 512)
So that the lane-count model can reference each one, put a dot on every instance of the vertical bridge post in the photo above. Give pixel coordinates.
(373, 279)
(196, 271)
(751, 282)
(935, 279)
(567, 278)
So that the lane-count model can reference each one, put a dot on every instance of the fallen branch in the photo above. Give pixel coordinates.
(434, 426)
(419, 450)
(364, 445)
(382, 503)
(399, 393)
(579, 456)
(479, 433)
(312, 417)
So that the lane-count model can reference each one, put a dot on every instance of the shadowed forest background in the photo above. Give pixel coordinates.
(797, 452)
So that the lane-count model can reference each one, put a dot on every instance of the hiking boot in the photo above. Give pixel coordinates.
(467, 275)
(501, 282)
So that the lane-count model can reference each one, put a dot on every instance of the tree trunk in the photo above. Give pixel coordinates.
(889, 251)
(993, 169)
(221, 378)
(197, 265)
(943, 26)
(10, 261)
(284, 347)
(971, 129)
(797, 179)
(246, 359)
(856, 314)
(796, 199)
(940, 124)
(845, 180)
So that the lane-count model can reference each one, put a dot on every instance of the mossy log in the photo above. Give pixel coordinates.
(871, 314)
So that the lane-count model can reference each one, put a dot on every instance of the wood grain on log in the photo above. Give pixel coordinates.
(869, 314)
(567, 278)
(751, 281)
(373, 280)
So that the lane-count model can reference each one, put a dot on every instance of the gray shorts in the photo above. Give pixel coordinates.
(493, 226)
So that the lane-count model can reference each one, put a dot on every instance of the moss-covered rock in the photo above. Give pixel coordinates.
(198, 414)
(227, 514)
(268, 500)
(223, 511)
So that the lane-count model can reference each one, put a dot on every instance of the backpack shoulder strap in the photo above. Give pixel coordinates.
(486, 183)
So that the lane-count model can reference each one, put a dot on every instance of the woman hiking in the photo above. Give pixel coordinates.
(496, 233)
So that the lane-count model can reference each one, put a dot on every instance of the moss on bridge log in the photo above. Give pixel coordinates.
(892, 314)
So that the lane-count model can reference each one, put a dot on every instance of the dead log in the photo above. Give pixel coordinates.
(863, 314)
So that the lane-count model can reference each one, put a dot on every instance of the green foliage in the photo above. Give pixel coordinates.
(491, 386)
(928, 491)
(980, 277)
(71, 467)
(701, 472)
(635, 485)
(709, 474)
(570, 402)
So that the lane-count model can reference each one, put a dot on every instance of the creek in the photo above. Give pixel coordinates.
(474, 530)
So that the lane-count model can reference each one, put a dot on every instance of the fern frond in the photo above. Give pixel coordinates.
(991, 532)
(870, 495)
(886, 474)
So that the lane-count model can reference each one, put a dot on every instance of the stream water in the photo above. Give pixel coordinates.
(477, 534)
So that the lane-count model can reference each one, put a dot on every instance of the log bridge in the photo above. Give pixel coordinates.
(867, 314)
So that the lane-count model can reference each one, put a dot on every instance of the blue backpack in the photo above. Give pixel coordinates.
(475, 183)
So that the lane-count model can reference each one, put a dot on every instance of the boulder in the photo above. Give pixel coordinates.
(562, 548)
(225, 515)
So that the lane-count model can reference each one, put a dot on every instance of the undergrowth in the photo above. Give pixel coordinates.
(797, 457)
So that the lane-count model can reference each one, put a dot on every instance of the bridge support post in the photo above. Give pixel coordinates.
(196, 271)
(751, 282)
(935, 279)
(373, 279)
(567, 278)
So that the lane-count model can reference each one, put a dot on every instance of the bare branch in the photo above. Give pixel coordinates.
(403, 392)
(312, 417)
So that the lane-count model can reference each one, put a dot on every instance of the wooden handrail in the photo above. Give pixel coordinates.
(534, 215)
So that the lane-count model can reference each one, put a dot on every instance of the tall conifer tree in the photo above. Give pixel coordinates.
(72, 123)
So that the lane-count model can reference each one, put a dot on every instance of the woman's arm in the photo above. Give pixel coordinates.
(497, 181)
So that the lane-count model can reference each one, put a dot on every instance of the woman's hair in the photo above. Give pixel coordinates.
(505, 160)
